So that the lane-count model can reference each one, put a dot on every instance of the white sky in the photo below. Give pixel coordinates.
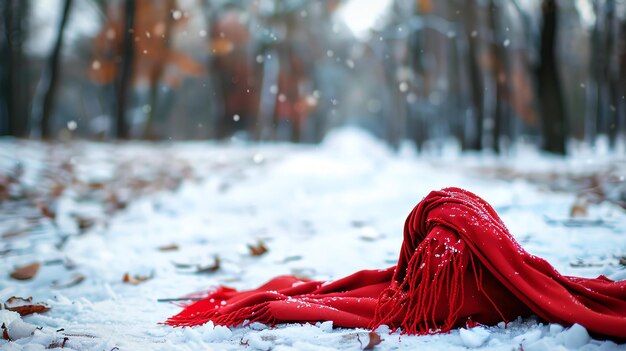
(361, 15)
(585, 10)
(44, 18)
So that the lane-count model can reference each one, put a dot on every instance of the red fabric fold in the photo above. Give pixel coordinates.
(458, 265)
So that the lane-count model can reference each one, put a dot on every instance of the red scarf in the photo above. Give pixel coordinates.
(458, 265)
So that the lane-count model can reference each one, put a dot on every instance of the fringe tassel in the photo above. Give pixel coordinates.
(242, 316)
(211, 309)
(436, 269)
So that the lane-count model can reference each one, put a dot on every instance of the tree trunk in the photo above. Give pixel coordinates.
(5, 88)
(51, 74)
(550, 95)
(501, 112)
(474, 141)
(13, 86)
(621, 83)
(611, 71)
(126, 72)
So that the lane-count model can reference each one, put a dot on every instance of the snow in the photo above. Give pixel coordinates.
(7, 317)
(574, 337)
(323, 212)
(18, 329)
(474, 337)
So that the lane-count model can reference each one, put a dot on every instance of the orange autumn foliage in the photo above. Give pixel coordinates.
(229, 34)
(424, 6)
(154, 56)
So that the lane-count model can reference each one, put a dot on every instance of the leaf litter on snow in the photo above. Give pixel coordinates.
(139, 199)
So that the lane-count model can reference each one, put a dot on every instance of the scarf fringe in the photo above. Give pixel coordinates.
(417, 297)
(212, 307)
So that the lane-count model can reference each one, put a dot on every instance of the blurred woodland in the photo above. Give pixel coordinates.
(482, 74)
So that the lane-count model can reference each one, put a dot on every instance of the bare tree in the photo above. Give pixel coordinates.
(474, 141)
(621, 93)
(501, 116)
(550, 95)
(125, 73)
(13, 86)
(51, 74)
(605, 69)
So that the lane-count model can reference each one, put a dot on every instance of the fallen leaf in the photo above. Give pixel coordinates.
(26, 272)
(69, 264)
(231, 279)
(24, 306)
(374, 339)
(95, 185)
(76, 279)
(115, 203)
(56, 261)
(358, 223)
(579, 208)
(5, 332)
(81, 335)
(581, 264)
(291, 259)
(211, 268)
(67, 166)
(177, 299)
(47, 211)
(84, 223)
(4, 190)
(12, 233)
(171, 247)
(182, 265)
(137, 279)
(57, 190)
(56, 344)
(258, 249)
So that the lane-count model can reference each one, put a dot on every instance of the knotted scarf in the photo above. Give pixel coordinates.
(458, 265)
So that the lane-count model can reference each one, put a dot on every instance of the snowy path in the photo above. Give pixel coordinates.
(323, 212)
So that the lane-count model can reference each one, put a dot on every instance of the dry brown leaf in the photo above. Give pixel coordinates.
(12, 233)
(4, 190)
(211, 268)
(95, 185)
(291, 259)
(57, 190)
(258, 249)
(182, 265)
(115, 202)
(170, 247)
(67, 166)
(76, 279)
(47, 211)
(579, 208)
(24, 306)
(374, 339)
(26, 272)
(137, 279)
(84, 223)
(56, 344)
(5, 332)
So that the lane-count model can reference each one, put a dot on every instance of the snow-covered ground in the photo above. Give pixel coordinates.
(322, 211)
